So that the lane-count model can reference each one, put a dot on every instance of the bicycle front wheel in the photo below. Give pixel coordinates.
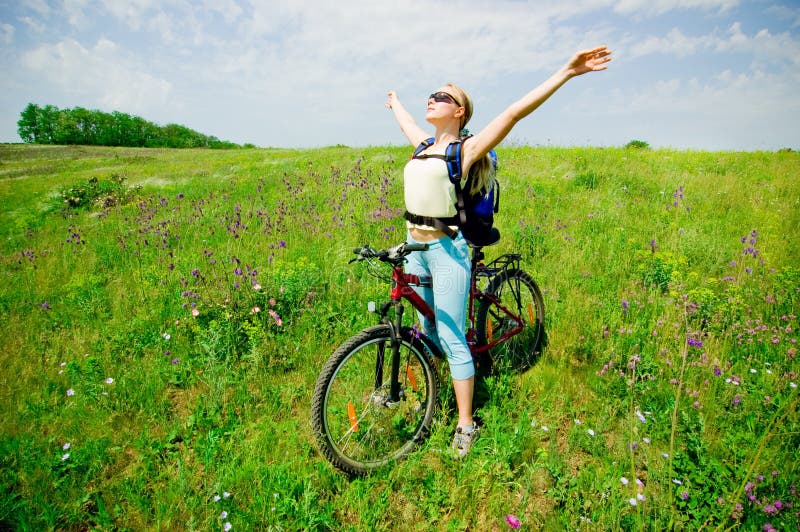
(511, 321)
(358, 426)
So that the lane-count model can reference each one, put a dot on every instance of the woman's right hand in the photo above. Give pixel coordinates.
(392, 99)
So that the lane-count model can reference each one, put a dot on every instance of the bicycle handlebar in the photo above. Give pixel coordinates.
(395, 255)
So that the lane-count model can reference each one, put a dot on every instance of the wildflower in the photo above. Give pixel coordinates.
(227, 526)
(195, 312)
(70, 392)
(577, 421)
(223, 515)
(632, 501)
(255, 310)
(770, 509)
(225, 494)
(256, 286)
(624, 481)
(217, 498)
(46, 305)
(753, 370)
(639, 482)
(166, 336)
(641, 417)
(792, 385)
(625, 306)
(64, 456)
(685, 495)
(641, 497)
(665, 455)
(109, 380)
(677, 482)
(66, 446)
(590, 431)
(694, 342)
(737, 399)
(544, 428)
(513, 521)
(646, 440)
(176, 361)
(276, 317)
(717, 371)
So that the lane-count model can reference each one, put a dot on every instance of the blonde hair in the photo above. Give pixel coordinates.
(483, 170)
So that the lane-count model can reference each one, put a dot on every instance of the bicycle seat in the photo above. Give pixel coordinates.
(493, 237)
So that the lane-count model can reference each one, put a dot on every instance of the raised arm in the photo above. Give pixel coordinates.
(412, 131)
(582, 62)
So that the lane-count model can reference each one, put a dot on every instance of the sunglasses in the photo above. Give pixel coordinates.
(443, 97)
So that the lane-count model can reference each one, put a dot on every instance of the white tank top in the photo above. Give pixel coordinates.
(428, 190)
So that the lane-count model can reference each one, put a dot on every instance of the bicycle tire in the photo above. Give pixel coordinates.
(356, 428)
(519, 293)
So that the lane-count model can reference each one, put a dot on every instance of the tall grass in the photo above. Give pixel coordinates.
(161, 339)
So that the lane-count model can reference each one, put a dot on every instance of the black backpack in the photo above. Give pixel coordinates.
(474, 212)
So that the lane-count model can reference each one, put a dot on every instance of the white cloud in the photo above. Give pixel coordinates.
(652, 8)
(6, 33)
(34, 25)
(101, 73)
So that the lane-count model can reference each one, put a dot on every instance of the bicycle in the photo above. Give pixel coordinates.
(376, 396)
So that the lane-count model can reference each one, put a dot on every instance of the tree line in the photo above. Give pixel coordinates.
(51, 125)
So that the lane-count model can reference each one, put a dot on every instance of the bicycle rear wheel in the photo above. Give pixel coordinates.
(358, 428)
(513, 318)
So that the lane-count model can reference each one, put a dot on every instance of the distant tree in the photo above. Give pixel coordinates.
(28, 125)
(51, 125)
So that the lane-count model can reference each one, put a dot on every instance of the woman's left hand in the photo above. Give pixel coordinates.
(592, 60)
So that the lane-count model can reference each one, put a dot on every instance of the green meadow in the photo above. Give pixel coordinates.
(165, 314)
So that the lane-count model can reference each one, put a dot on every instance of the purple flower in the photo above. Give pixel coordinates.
(717, 371)
(685, 495)
(176, 361)
(694, 342)
(46, 305)
(513, 521)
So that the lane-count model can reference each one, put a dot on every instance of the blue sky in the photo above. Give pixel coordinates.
(686, 74)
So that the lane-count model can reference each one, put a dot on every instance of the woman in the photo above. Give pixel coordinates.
(429, 193)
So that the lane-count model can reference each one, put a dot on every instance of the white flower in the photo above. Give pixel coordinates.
(590, 431)
(256, 286)
(641, 497)
(66, 446)
(641, 417)
(217, 498)
(792, 385)
(227, 526)
(753, 370)
(677, 482)
(64, 456)
(646, 440)
(624, 481)
(639, 482)
(223, 515)
(665, 455)
(225, 494)
(109, 380)
(577, 421)
(166, 336)
(632, 501)
(544, 428)
(70, 392)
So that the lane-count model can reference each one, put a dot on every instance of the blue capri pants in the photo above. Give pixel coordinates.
(447, 263)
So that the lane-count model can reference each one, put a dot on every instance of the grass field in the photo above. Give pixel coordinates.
(165, 314)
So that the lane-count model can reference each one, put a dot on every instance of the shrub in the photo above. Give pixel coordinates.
(637, 145)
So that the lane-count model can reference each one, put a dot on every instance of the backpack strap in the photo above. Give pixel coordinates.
(423, 145)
